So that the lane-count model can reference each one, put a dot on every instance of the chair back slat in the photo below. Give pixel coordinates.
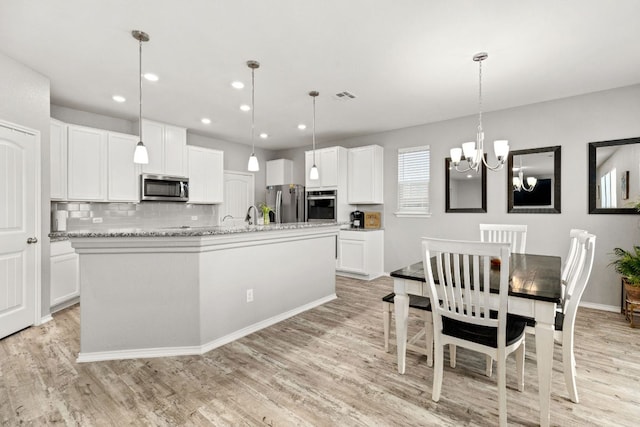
(570, 262)
(463, 273)
(579, 275)
(514, 234)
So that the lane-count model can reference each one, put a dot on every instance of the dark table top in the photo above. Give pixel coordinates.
(532, 276)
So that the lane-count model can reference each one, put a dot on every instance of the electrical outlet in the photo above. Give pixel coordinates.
(96, 220)
(249, 295)
(194, 217)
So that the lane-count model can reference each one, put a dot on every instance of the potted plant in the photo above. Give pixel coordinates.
(627, 263)
(265, 212)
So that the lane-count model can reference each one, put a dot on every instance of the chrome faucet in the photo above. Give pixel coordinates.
(248, 217)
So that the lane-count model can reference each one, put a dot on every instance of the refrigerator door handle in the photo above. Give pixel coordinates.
(278, 206)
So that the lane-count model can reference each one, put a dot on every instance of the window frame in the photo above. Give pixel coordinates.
(403, 211)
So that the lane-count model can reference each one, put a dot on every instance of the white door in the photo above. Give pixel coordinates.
(238, 196)
(18, 220)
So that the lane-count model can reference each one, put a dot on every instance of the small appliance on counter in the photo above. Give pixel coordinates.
(357, 219)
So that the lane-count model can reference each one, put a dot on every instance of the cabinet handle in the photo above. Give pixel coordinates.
(32, 240)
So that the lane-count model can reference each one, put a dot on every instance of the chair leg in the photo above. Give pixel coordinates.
(501, 365)
(520, 366)
(386, 318)
(569, 366)
(489, 367)
(428, 326)
(452, 355)
(437, 371)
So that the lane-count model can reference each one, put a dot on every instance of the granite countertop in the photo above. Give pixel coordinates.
(186, 231)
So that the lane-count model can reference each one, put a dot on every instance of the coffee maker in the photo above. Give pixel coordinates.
(357, 219)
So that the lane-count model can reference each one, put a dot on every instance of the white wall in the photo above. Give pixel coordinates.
(571, 123)
(25, 101)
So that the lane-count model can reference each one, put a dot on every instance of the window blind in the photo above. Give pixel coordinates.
(413, 180)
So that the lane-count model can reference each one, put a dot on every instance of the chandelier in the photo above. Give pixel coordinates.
(518, 181)
(474, 151)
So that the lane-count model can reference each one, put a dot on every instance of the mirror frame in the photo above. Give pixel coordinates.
(592, 177)
(448, 209)
(556, 150)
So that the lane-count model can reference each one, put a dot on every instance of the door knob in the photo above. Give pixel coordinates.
(32, 240)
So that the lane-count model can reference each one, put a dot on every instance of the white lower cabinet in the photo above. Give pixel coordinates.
(65, 276)
(361, 254)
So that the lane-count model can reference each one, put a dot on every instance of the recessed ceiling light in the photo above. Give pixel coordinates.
(205, 120)
(302, 126)
(245, 107)
(237, 85)
(119, 98)
(264, 135)
(151, 77)
(469, 176)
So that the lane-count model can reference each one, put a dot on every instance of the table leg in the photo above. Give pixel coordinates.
(401, 303)
(544, 355)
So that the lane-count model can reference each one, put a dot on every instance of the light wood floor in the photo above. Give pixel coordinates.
(325, 367)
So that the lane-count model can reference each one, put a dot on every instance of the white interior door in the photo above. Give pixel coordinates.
(18, 216)
(239, 194)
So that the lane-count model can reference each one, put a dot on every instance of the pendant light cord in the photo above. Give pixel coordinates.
(140, 91)
(314, 131)
(253, 105)
(480, 97)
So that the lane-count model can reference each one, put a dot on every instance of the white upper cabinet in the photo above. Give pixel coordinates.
(122, 173)
(167, 148)
(332, 168)
(58, 150)
(206, 175)
(87, 164)
(279, 172)
(366, 175)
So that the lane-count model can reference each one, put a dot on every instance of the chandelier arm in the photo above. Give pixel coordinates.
(497, 167)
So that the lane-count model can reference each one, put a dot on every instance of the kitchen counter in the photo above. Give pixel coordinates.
(178, 291)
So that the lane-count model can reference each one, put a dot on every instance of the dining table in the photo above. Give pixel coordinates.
(534, 292)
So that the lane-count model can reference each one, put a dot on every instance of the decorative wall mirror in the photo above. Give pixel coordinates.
(614, 176)
(465, 191)
(534, 180)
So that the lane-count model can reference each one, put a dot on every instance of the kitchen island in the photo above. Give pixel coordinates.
(183, 291)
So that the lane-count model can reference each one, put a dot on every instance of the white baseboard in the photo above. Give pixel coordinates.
(603, 307)
(201, 349)
(44, 319)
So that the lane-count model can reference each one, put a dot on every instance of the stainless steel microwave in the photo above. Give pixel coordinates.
(164, 188)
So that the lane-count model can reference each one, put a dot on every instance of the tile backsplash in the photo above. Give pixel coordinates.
(69, 216)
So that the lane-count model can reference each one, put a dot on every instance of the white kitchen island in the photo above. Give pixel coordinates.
(180, 291)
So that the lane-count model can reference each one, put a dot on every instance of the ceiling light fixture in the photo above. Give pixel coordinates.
(474, 151)
(302, 126)
(313, 173)
(140, 155)
(264, 135)
(518, 181)
(237, 85)
(205, 120)
(151, 77)
(253, 165)
(119, 98)
(245, 107)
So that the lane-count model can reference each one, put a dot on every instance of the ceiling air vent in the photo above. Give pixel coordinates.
(344, 96)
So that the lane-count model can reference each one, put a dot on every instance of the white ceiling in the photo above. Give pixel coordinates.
(407, 61)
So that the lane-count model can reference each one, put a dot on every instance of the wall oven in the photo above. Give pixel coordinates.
(164, 188)
(321, 206)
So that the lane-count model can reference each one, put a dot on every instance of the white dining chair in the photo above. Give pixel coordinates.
(467, 314)
(420, 310)
(514, 234)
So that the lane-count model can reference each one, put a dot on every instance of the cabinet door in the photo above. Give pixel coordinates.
(352, 256)
(206, 175)
(58, 164)
(175, 151)
(279, 172)
(153, 139)
(122, 173)
(329, 171)
(365, 175)
(87, 167)
(65, 281)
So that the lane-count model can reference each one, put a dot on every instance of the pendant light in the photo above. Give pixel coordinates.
(474, 150)
(140, 155)
(313, 173)
(253, 165)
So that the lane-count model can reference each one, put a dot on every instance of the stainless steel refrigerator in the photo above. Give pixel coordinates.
(287, 201)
